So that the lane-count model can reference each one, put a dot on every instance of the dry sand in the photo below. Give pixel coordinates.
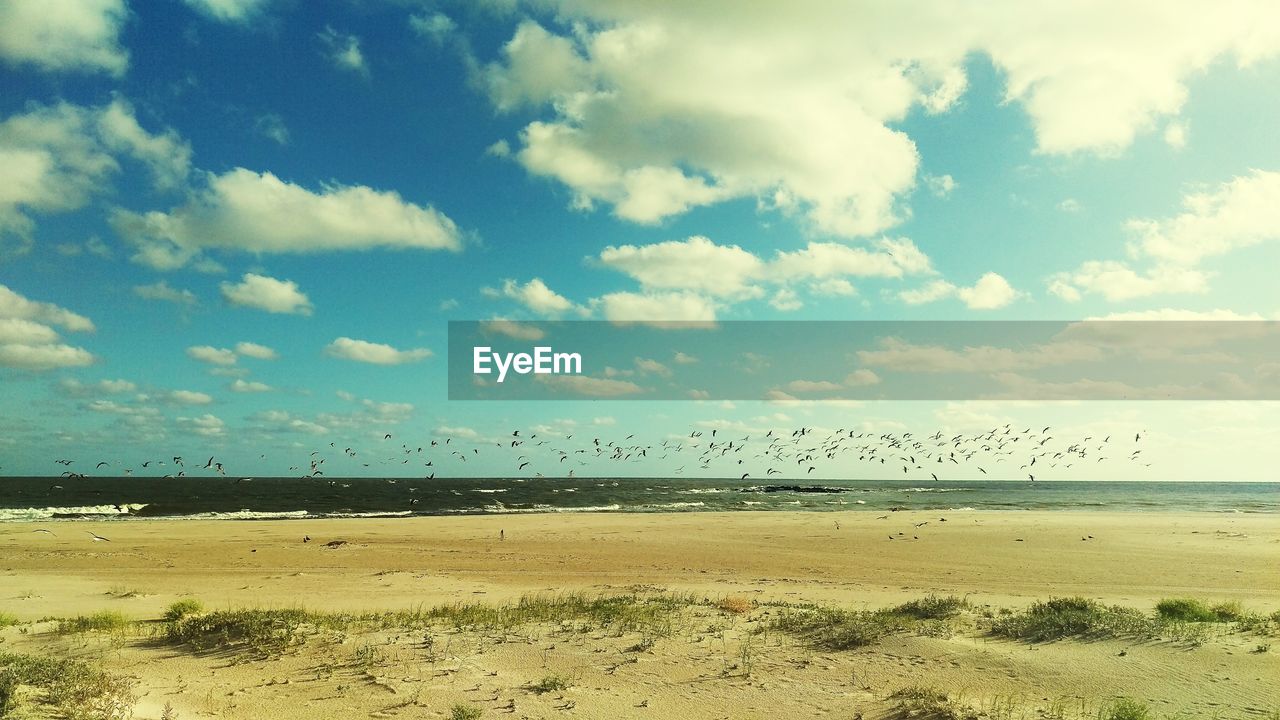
(997, 559)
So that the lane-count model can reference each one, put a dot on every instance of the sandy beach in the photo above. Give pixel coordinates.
(717, 663)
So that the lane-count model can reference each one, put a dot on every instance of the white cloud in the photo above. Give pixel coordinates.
(436, 26)
(188, 397)
(254, 350)
(652, 367)
(247, 211)
(1242, 212)
(64, 34)
(1069, 205)
(991, 292)
(272, 127)
(656, 307)
(940, 185)
(243, 386)
(785, 300)
(267, 293)
(43, 357)
(534, 295)
(1175, 134)
(684, 265)
(211, 355)
(517, 330)
(55, 158)
(1116, 281)
(75, 388)
(234, 11)
(812, 386)
(902, 356)
(344, 50)
(375, 353)
(161, 291)
(932, 292)
(833, 287)
(861, 378)
(27, 340)
(684, 359)
(654, 109)
(206, 425)
(590, 386)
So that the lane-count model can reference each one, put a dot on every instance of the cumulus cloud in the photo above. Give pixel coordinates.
(161, 291)
(940, 185)
(55, 158)
(188, 397)
(534, 295)
(248, 386)
(29, 342)
(267, 293)
(254, 350)
(1239, 213)
(902, 356)
(212, 355)
(243, 210)
(990, 292)
(590, 386)
(517, 330)
(657, 308)
(232, 11)
(656, 109)
(63, 35)
(374, 353)
(206, 425)
(344, 50)
(76, 388)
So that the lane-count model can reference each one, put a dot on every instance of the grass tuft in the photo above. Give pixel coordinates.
(71, 688)
(1193, 610)
(1076, 617)
(465, 712)
(105, 621)
(182, 608)
(1125, 709)
(551, 683)
(928, 703)
(7, 619)
(735, 605)
(932, 607)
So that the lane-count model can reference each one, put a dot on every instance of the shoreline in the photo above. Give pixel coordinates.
(1004, 557)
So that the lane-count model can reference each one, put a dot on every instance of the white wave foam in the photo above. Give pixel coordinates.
(45, 513)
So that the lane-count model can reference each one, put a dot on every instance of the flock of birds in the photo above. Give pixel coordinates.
(1000, 452)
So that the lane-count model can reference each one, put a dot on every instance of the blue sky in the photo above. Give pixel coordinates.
(241, 226)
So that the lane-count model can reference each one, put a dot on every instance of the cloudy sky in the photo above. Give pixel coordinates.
(241, 226)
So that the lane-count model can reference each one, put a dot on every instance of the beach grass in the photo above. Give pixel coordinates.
(7, 620)
(182, 608)
(465, 712)
(1075, 617)
(1125, 709)
(104, 621)
(1194, 610)
(71, 688)
(926, 703)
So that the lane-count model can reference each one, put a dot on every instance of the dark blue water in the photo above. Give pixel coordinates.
(140, 497)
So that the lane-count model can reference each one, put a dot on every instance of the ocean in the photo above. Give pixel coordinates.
(135, 498)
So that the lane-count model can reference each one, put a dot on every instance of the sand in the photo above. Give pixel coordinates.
(996, 559)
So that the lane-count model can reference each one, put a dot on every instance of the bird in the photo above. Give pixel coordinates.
(96, 537)
(47, 532)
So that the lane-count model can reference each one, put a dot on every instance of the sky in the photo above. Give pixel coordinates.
(241, 227)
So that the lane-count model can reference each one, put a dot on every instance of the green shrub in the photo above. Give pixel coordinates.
(7, 619)
(72, 688)
(465, 712)
(1125, 709)
(182, 608)
(932, 607)
(105, 621)
(551, 683)
(1074, 617)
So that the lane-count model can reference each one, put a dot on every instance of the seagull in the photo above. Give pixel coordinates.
(47, 532)
(97, 538)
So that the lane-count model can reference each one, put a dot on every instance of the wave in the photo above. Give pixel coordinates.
(83, 511)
